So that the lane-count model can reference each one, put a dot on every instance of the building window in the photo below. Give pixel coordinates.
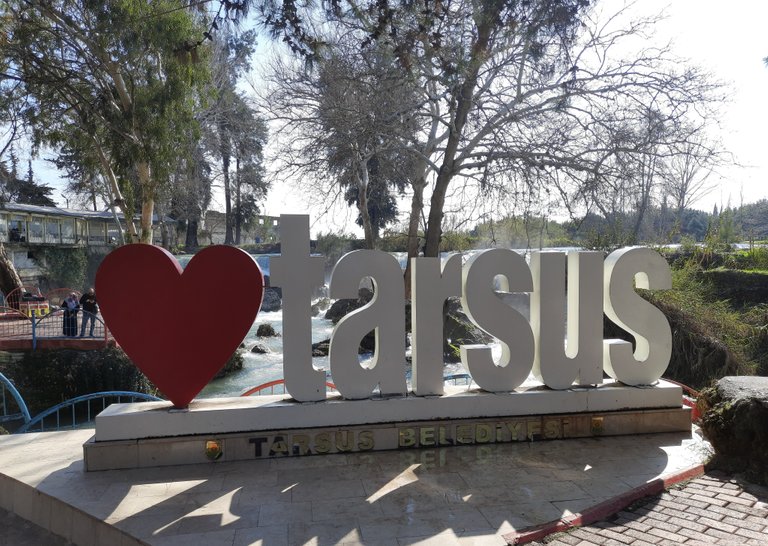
(52, 233)
(36, 230)
(68, 231)
(17, 229)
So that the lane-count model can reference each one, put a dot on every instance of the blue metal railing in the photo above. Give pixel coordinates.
(69, 419)
(81, 410)
(21, 412)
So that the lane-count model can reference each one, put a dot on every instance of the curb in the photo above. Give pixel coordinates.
(604, 509)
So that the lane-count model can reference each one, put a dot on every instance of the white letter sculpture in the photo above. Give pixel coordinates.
(385, 313)
(653, 336)
(297, 273)
(430, 287)
(555, 365)
(493, 316)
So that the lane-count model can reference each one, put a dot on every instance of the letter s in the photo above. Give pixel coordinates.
(647, 269)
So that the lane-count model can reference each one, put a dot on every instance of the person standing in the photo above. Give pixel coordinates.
(90, 309)
(70, 306)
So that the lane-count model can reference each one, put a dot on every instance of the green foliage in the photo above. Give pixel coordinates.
(457, 241)
(711, 338)
(46, 378)
(333, 246)
(754, 259)
(65, 267)
(131, 112)
(394, 242)
(521, 232)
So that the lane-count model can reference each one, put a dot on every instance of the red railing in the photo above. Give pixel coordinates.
(271, 386)
(58, 295)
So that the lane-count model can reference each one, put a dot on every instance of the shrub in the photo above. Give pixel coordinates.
(46, 378)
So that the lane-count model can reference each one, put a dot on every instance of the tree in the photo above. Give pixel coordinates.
(190, 194)
(115, 81)
(16, 190)
(351, 117)
(530, 92)
(689, 171)
(249, 135)
(234, 130)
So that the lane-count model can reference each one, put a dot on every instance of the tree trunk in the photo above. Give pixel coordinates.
(147, 201)
(114, 187)
(484, 21)
(191, 243)
(239, 215)
(9, 277)
(362, 203)
(147, 211)
(417, 205)
(226, 154)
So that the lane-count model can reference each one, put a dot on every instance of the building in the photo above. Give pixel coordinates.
(39, 225)
(25, 229)
(263, 229)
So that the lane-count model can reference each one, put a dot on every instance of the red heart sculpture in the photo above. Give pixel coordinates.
(179, 326)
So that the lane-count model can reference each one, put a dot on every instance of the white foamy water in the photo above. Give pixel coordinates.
(261, 368)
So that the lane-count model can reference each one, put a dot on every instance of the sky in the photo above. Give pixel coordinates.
(727, 40)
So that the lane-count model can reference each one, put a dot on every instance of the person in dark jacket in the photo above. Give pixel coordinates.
(70, 306)
(90, 309)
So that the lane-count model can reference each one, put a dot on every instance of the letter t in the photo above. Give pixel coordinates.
(298, 273)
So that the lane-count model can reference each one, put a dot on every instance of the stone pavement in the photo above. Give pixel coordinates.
(713, 508)
(469, 495)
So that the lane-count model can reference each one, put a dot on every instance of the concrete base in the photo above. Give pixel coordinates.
(198, 449)
(263, 413)
(150, 434)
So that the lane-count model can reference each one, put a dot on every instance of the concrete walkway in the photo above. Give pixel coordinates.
(714, 508)
(457, 495)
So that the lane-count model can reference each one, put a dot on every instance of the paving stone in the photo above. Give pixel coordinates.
(637, 535)
(718, 525)
(744, 499)
(609, 533)
(666, 535)
(752, 534)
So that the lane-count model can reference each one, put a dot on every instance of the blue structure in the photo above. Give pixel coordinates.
(66, 414)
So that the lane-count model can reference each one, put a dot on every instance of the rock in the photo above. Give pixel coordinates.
(367, 345)
(459, 330)
(272, 300)
(266, 330)
(260, 349)
(321, 348)
(320, 305)
(344, 306)
(234, 364)
(735, 421)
